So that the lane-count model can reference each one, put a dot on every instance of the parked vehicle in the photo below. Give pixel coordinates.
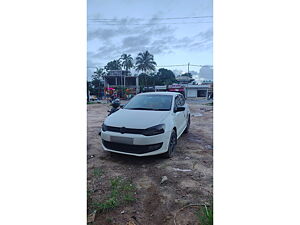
(149, 124)
(115, 106)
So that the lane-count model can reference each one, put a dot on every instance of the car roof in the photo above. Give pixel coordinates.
(160, 93)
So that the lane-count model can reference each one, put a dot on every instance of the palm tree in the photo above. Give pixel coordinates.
(145, 62)
(126, 62)
(99, 73)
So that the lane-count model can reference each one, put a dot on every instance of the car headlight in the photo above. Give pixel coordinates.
(104, 127)
(159, 129)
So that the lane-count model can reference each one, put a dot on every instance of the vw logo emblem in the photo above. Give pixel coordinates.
(122, 130)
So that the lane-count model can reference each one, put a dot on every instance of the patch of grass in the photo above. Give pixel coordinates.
(122, 191)
(109, 220)
(98, 172)
(205, 215)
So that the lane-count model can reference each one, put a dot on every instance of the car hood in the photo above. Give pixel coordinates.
(138, 119)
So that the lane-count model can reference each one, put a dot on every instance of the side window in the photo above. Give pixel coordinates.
(176, 103)
(179, 100)
(182, 100)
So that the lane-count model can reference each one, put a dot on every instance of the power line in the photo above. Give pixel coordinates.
(171, 65)
(168, 18)
(145, 24)
(89, 67)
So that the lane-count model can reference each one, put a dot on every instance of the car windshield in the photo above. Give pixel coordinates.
(150, 102)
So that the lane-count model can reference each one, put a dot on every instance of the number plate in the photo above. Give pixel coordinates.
(124, 140)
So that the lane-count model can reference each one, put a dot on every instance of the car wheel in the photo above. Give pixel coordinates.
(172, 145)
(188, 125)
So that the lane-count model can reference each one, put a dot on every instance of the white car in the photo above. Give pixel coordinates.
(149, 124)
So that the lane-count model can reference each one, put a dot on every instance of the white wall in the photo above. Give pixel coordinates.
(191, 93)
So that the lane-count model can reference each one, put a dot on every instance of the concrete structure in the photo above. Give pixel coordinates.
(184, 79)
(119, 78)
(198, 91)
(161, 88)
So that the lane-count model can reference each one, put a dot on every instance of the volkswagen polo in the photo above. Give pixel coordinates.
(149, 124)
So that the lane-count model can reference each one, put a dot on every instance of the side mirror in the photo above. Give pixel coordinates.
(180, 109)
(122, 106)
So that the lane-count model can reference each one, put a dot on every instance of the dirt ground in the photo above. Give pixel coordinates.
(155, 203)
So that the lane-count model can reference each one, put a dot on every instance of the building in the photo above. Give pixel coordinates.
(161, 88)
(207, 82)
(122, 82)
(198, 91)
(184, 79)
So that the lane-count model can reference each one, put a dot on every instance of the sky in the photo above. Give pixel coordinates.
(176, 32)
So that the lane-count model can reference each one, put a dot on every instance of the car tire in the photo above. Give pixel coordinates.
(188, 125)
(172, 145)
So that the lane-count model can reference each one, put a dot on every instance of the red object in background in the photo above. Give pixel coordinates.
(176, 89)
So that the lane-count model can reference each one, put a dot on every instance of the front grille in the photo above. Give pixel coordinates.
(124, 130)
(137, 149)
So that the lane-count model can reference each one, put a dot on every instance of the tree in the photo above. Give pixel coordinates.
(145, 62)
(126, 62)
(165, 77)
(89, 88)
(145, 79)
(187, 75)
(113, 65)
(97, 79)
(98, 74)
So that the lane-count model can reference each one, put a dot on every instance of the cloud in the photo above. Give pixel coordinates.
(113, 31)
(115, 40)
(139, 40)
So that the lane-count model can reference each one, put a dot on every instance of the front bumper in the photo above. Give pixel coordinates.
(135, 144)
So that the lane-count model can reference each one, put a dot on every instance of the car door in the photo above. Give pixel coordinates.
(180, 119)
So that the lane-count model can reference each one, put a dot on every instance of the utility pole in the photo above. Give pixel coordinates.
(188, 68)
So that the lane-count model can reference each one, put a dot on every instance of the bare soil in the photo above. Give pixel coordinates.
(155, 203)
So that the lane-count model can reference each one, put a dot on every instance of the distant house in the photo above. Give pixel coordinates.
(184, 79)
(121, 78)
(198, 91)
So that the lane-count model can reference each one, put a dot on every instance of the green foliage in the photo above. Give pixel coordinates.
(98, 74)
(205, 215)
(145, 62)
(145, 80)
(187, 75)
(126, 62)
(96, 84)
(165, 77)
(122, 191)
(162, 77)
(113, 65)
(98, 172)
